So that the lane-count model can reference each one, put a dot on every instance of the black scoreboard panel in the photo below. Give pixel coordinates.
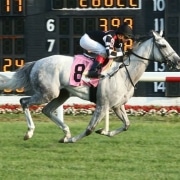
(30, 30)
(172, 33)
(172, 16)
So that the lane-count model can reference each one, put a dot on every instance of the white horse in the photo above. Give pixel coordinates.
(48, 79)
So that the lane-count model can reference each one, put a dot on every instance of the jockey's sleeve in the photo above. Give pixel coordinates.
(109, 44)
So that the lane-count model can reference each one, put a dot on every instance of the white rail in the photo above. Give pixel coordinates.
(160, 77)
(146, 77)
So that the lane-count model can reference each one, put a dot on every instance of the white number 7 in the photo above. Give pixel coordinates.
(51, 44)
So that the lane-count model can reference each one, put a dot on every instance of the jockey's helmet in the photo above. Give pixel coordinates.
(125, 30)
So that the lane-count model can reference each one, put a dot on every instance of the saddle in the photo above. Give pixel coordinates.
(80, 68)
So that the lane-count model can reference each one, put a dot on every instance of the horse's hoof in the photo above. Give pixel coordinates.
(127, 127)
(99, 131)
(103, 132)
(26, 137)
(61, 140)
(29, 134)
(66, 140)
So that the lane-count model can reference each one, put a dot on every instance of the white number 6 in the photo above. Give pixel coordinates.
(50, 25)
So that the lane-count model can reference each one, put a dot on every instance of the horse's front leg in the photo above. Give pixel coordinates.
(105, 130)
(122, 115)
(96, 118)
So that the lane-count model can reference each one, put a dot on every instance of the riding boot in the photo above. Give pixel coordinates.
(94, 71)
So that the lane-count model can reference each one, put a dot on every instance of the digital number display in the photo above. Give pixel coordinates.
(94, 4)
(10, 64)
(82, 25)
(12, 45)
(33, 29)
(12, 7)
(71, 29)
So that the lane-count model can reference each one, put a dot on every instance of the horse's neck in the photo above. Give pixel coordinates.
(137, 65)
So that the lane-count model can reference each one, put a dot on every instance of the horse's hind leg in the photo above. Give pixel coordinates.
(50, 108)
(25, 103)
(30, 123)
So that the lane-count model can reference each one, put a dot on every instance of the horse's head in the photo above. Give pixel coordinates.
(164, 53)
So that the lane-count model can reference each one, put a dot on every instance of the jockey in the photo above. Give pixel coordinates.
(107, 44)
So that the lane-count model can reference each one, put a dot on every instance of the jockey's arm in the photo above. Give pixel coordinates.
(109, 44)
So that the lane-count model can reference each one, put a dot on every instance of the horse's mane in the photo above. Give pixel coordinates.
(139, 39)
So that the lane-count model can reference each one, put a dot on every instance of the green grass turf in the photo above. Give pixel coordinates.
(148, 150)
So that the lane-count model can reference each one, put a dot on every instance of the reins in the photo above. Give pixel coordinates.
(133, 53)
(125, 65)
(128, 73)
(141, 57)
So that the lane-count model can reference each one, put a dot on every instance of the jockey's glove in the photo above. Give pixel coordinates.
(119, 54)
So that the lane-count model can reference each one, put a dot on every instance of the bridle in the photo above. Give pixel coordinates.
(165, 60)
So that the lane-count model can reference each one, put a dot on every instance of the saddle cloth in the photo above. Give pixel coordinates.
(80, 68)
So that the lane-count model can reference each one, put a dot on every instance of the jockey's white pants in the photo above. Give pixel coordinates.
(90, 45)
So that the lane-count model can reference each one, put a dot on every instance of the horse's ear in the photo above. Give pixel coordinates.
(156, 35)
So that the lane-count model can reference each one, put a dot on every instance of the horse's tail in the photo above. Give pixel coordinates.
(20, 79)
